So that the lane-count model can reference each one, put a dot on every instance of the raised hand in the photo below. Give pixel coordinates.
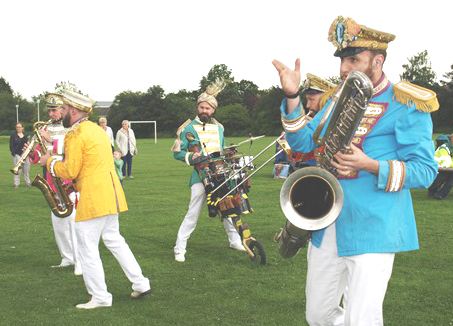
(289, 79)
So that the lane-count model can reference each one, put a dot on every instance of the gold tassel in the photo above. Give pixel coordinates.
(424, 100)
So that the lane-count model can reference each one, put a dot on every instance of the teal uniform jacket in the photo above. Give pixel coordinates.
(209, 140)
(377, 215)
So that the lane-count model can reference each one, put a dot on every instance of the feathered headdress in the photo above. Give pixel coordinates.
(211, 92)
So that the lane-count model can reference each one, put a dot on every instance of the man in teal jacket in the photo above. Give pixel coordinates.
(201, 136)
(392, 152)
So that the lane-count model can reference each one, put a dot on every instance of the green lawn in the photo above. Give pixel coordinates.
(216, 285)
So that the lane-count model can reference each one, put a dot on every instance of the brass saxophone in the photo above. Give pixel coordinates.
(58, 200)
(36, 139)
(311, 198)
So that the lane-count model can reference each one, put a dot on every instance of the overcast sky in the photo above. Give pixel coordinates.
(106, 47)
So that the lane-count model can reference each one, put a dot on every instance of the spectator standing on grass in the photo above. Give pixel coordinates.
(444, 180)
(16, 144)
(118, 165)
(125, 139)
(108, 130)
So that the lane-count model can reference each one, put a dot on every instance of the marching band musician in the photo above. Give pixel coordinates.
(208, 138)
(316, 91)
(88, 161)
(392, 152)
(64, 229)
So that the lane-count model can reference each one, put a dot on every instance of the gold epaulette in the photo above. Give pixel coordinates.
(181, 127)
(424, 99)
(73, 131)
(326, 96)
(218, 123)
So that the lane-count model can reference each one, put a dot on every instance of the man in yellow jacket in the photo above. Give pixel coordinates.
(88, 160)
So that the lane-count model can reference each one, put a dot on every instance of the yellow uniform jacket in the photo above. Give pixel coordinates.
(89, 162)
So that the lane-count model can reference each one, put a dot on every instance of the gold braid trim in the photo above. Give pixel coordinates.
(397, 176)
(177, 144)
(75, 128)
(294, 125)
(425, 100)
(181, 127)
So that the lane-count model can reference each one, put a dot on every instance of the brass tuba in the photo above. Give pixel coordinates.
(311, 198)
(58, 200)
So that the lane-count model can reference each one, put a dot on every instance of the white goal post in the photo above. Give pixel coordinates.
(155, 127)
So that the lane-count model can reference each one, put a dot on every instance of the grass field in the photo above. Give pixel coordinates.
(216, 285)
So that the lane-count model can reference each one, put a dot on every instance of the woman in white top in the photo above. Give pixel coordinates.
(108, 130)
(125, 140)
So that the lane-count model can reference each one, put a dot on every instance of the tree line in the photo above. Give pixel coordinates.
(243, 108)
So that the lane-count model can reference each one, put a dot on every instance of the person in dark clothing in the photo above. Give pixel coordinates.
(16, 143)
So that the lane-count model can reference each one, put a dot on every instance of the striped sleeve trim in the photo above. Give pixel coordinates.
(294, 125)
(52, 168)
(397, 176)
(186, 158)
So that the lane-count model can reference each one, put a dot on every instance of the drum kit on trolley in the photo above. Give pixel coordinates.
(226, 177)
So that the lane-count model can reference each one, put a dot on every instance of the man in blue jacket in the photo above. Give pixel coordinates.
(391, 152)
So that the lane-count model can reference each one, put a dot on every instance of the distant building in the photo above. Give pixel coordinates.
(102, 108)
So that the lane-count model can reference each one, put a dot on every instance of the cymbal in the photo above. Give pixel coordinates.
(248, 140)
(230, 147)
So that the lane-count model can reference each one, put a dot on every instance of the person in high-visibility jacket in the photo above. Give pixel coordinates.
(444, 180)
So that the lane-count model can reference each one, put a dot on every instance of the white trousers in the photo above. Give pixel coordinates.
(88, 234)
(197, 201)
(25, 170)
(64, 230)
(364, 278)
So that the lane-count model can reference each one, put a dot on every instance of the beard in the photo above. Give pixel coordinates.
(67, 121)
(204, 118)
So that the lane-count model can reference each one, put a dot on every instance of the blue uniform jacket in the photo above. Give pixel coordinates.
(373, 220)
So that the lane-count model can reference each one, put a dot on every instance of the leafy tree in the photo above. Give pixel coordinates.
(443, 117)
(449, 77)
(42, 107)
(61, 86)
(249, 93)
(220, 71)
(419, 70)
(177, 109)
(7, 113)
(5, 87)
(266, 118)
(235, 118)
(124, 107)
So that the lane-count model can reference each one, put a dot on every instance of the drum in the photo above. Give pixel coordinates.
(246, 161)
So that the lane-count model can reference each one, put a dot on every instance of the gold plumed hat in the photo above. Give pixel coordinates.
(316, 83)
(79, 101)
(351, 38)
(211, 93)
(54, 100)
